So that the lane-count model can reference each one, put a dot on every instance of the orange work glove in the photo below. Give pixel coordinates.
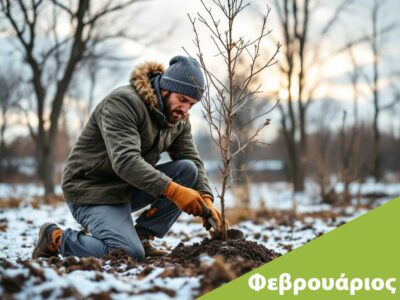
(215, 214)
(187, 199)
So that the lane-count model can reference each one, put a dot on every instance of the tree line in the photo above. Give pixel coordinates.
(53, 63)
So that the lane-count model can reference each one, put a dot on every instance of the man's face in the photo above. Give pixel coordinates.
(177, 106)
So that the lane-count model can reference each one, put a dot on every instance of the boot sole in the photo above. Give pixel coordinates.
(41, 236)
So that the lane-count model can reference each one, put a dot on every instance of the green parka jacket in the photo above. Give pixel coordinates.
(121, 143)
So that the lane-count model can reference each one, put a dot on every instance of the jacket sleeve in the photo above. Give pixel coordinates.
(183, 147)
(119, 121)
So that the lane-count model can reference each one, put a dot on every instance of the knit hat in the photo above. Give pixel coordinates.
(184, 77)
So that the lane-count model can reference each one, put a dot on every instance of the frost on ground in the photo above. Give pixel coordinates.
(186, 273)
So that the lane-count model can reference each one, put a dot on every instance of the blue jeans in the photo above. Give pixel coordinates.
(111, 226)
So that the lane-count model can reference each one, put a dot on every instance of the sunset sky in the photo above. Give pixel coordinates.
(169, 20)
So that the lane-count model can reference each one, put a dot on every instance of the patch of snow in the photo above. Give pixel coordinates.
(24, 222)
(24, 191)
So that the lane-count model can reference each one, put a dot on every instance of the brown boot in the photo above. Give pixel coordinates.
(49, 241)
(150, 250)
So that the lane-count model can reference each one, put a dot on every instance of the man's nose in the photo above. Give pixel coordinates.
(185, 107)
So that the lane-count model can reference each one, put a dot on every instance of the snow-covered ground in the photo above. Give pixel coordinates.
(276, 195)
(19, 229)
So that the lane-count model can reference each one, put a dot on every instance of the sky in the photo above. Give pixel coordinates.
(169, 21)
(352, 24)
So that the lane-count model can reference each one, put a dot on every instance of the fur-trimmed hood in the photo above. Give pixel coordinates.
(140, 80)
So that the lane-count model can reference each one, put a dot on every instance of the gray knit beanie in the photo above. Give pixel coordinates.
(184, 77)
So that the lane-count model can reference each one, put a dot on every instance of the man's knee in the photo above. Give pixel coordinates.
(136, 251)
(187, 171)
(132, 247)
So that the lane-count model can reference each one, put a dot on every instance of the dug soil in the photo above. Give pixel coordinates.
(230, 250)
(214, 261)
(230, 259)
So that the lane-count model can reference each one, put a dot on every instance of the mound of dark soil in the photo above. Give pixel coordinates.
(230, 250)
(232, 258)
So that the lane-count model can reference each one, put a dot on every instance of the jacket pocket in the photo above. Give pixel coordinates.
(96, 167)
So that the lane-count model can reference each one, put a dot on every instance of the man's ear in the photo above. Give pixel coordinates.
(163, 92)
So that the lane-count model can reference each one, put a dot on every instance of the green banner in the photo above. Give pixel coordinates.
(359, 260)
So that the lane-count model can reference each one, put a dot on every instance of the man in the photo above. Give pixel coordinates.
(112, 172)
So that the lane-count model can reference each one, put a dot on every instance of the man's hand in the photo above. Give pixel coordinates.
(215, 214)
(187, 199)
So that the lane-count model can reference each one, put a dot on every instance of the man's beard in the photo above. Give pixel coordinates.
(173, 116)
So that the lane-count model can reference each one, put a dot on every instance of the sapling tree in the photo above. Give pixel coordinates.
(227, 95)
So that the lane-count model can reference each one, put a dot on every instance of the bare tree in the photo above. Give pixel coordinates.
(9, 82)
(226, 97)
(374, 88)
(375, 44)
(374, 41)
(346, 150)
(350, 154)
(296, 18)
(53, 58)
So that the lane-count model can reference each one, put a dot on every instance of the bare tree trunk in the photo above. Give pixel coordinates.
(9, 86)
(293, 159)
(47, 167)
(93, 79)
(289, 22)
(2, 144)
(225, 182)
(295, 167)
(376, 144)
(375, 51)
(302, 35)
(345, 158)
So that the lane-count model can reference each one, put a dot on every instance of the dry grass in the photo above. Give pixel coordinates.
(238, 214)
(36, 202)
(53, 200)
(10, 202)
(282, 217)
